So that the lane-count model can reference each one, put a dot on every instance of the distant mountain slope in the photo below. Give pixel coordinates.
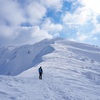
(15, 60)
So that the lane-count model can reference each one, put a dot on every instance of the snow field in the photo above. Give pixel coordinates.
(71, 71)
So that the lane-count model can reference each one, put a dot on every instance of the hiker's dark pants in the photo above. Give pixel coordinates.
(40, 75)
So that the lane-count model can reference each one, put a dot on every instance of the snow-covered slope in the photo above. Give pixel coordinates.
(71, 71)
(15, 60)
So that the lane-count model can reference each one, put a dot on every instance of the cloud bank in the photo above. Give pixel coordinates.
(29, 21)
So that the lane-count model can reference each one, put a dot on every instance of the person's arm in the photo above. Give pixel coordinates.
(38, 70)
(42, 71)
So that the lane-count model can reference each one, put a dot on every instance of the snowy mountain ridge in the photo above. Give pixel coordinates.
(15, 60)
(12, 59)
(71, 71)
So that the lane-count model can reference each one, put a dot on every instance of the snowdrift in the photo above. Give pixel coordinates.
(71, 71)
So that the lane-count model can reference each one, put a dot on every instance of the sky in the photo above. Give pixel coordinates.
(30, 21)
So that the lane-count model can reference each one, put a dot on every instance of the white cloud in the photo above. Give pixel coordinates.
(11, 16)
(86, 38)
(47, 30)
(71, 0)
(5, 31)
(96, 29)
(11, 12)
(51, 27)
(82, 37)
(94, 5)
(14, 14)
(56, 4)
(8, 31)
(83, 20)
(37, 32)
(29, 35)
(89, 11)
(35, 12)
(95, 38)
(79, 17)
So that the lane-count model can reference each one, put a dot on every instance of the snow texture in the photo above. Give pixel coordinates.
(71, 71)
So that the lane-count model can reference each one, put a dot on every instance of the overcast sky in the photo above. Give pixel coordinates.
(29, 21)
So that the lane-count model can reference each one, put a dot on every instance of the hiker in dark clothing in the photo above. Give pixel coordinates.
(40, 72)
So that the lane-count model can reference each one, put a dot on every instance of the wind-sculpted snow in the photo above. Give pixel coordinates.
(13, 62)
(70, 72)
(80, 45)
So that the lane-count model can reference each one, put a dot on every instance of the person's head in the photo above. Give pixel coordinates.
(40, 67)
